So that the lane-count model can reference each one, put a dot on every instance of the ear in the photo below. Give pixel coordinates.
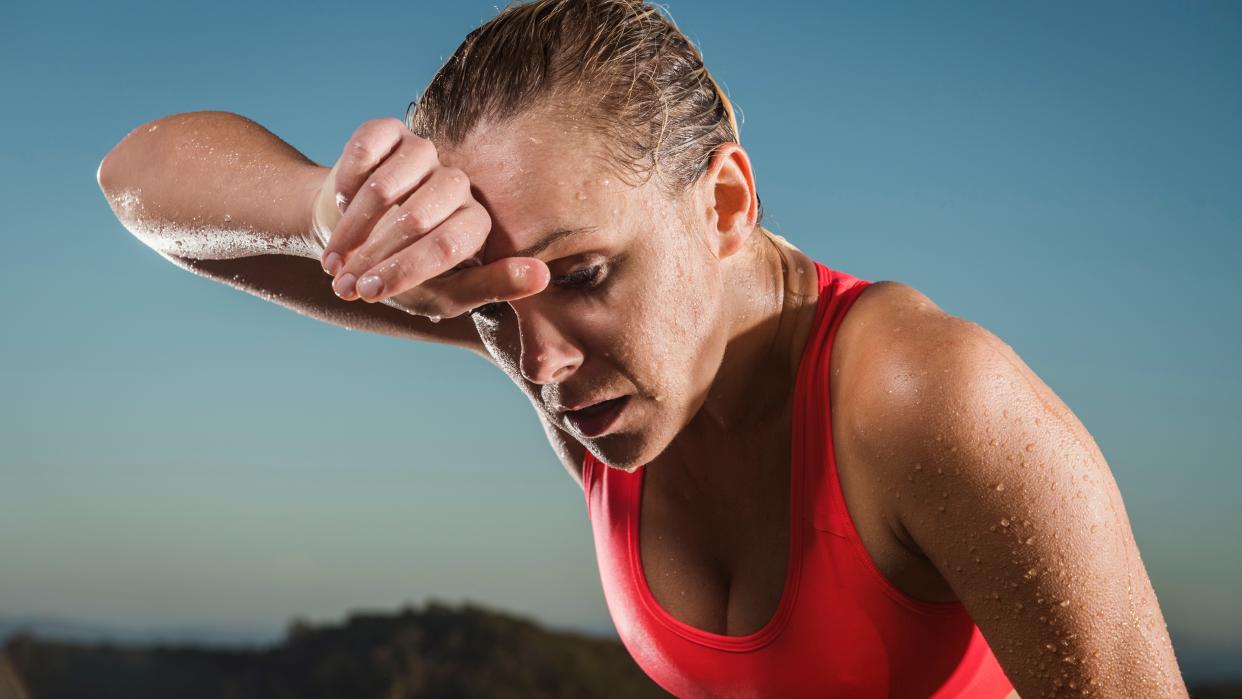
(731, 204)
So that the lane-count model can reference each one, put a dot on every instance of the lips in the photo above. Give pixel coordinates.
(596, 419)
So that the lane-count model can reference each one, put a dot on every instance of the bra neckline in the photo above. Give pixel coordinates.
(793, 564)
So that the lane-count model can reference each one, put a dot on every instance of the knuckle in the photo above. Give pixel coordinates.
(416, 222)
(363, 150)
(385, 186)
(454, 174)
(445, 246)
(424, 147)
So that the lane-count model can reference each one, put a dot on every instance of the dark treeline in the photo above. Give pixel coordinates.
(439, 651)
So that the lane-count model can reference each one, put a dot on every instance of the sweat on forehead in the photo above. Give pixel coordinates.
(535, 177)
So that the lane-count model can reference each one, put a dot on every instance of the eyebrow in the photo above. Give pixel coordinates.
(549, 239)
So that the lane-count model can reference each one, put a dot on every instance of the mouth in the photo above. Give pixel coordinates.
(597, 419)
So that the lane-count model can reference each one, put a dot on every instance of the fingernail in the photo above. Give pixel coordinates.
(332, 263)
(370, 286)
(344, 285)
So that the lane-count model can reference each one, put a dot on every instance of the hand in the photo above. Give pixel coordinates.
(411, 230)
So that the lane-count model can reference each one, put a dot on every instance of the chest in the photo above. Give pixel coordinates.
(714, 552)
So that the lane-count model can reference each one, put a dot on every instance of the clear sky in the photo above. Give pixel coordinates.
(176, 452)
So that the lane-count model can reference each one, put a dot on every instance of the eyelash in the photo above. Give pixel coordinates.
(573, 280)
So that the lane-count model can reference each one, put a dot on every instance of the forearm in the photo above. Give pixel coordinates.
(212, 185)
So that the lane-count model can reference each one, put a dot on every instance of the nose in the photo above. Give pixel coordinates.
(547, 356)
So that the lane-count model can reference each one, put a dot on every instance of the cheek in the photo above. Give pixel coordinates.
(503, 344)
(671, 323)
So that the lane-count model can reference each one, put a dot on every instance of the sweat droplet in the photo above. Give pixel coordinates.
(1000, 486)
(434, 319)
(1004, 522)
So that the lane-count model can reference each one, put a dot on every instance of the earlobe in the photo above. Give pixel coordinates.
(733, 204)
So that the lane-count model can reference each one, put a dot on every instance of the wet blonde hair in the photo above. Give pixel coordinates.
(620, 67)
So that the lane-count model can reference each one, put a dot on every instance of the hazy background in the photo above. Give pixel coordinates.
(182, 457)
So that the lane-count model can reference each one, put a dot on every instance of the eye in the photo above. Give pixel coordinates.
(584, 278)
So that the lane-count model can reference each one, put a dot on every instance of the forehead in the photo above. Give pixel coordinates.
(535, 176)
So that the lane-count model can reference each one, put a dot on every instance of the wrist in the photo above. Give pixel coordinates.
(324, 212)
(311, 227)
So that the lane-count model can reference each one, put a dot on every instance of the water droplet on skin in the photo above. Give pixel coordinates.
(991, 442)
(227, 218)
(580, 196)
(1004, 522)
(1030, 540)
(1000, 486)
(434, 319)
(1030, 446)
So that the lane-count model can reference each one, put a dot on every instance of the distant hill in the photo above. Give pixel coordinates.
(438, 651)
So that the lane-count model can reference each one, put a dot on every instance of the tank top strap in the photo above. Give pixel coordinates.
(825, 505)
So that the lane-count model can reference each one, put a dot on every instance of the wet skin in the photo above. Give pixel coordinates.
(966, 477)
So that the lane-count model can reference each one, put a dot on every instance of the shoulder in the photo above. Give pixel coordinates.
(1001, 488)
(923, 386)
(901, 353)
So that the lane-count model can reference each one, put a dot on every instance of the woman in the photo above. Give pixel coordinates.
(842, 490)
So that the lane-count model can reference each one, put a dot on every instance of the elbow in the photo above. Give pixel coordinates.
(108, 174)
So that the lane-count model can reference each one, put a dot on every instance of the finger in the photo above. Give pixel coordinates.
(451, 295)
(369, 145)
(388, 185)
(506, 279)
(458, 237)
(441, 194)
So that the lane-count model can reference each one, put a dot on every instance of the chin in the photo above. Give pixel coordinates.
(627, 450)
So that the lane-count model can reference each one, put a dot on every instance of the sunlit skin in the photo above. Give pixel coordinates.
(702, 317)
(686, 297)
(966, 476)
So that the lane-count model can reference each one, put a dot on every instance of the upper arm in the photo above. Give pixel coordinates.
(299, 284)
(1010, 498)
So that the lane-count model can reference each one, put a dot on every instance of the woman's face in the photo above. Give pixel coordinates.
(634, 303)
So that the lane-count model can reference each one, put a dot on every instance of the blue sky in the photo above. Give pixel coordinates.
(177, 452)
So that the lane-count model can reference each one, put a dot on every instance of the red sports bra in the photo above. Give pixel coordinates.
(841, 628)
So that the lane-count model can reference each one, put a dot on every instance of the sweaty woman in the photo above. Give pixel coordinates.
(800, 483)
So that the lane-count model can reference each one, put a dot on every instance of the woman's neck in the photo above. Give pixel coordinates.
(772, 288)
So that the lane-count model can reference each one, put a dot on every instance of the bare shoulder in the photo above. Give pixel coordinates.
(923, 371)
(995, 481)
(912, 373)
